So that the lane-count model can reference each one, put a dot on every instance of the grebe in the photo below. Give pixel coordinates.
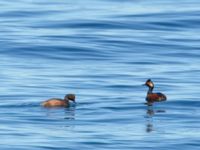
(153, 97)
(58, 102)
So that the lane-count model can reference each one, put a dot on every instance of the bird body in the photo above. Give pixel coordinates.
(156, 97)
(58, 102)
(55, 102)
(153, 97)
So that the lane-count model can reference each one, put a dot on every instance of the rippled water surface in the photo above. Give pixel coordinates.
(103, 51)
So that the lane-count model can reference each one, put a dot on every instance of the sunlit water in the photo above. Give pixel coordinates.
(103, 51)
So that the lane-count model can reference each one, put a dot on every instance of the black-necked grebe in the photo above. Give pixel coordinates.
(57, 102)
(153, 97)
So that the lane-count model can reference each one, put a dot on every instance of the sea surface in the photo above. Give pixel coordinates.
(103, 51)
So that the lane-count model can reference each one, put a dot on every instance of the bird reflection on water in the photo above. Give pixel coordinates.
(69, 113)
(150, 113)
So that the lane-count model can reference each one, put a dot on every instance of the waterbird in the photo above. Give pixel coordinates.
(153, 97)
(58, 102)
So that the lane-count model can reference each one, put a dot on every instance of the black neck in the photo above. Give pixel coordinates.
(66, 99)
(150, 90)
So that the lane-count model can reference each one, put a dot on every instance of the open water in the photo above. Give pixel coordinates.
(103, 51)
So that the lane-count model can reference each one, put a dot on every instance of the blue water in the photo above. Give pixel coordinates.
(103, 51)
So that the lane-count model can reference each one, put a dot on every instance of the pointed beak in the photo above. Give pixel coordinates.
(143, 84)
